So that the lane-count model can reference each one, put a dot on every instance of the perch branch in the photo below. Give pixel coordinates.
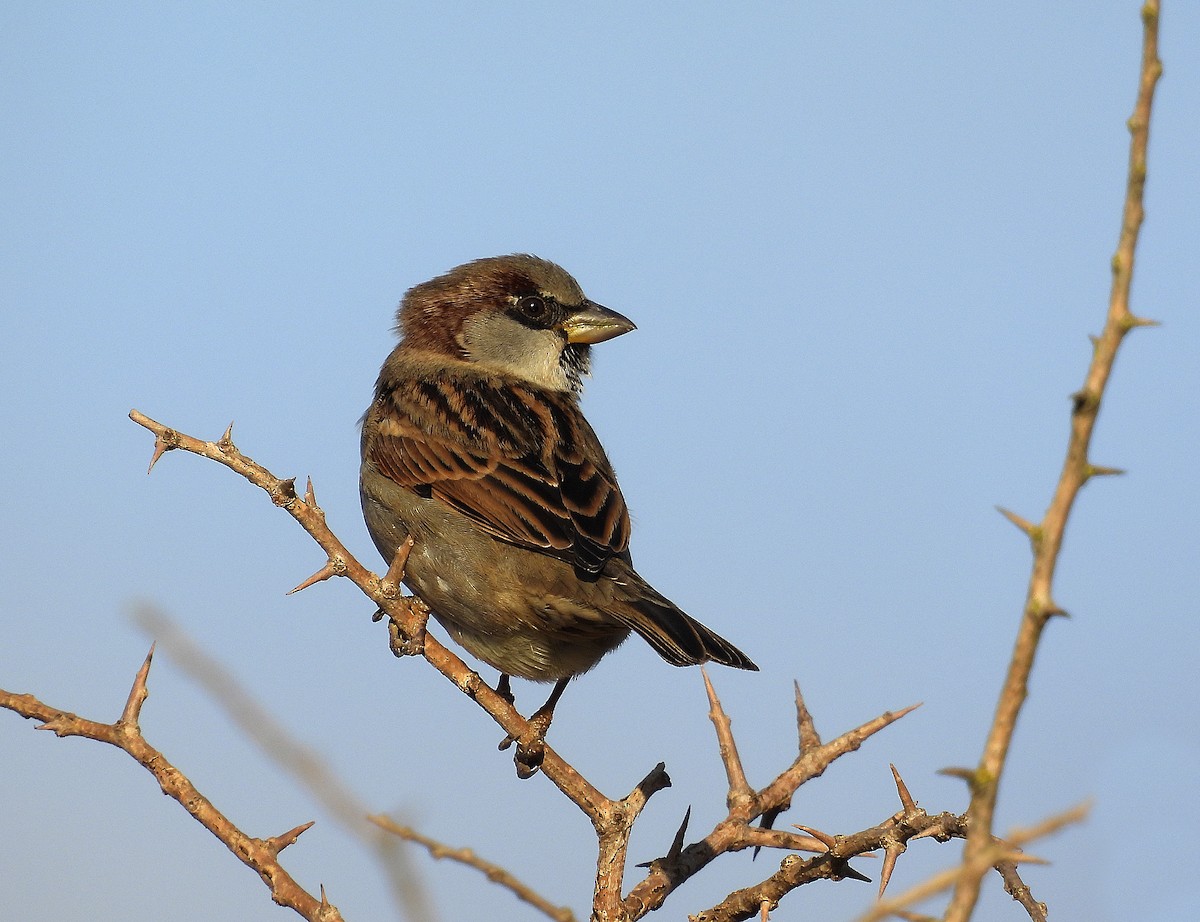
(406, 613)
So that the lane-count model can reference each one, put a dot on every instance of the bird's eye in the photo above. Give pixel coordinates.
(532, 307)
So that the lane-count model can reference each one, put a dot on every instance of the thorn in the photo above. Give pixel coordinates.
(1096, 470)
(764, 911)
(504, 689)
(714, 703)
(1019, 857)
(137, 694)
(55, 725)
(932, 830)
(1129, 322)
(823, 837)
(331, 568)
(843, 870)
(276, 844)
(676, 848)
(767, 822)
(162, 444)
(1024, 524)
(890, 854)
(656, 780)
(390, 584)
(226, 442)
(906, 799)
(904, 712)
(975, 778)
(806, 729)
(325, 907)
(1095, 340)
(310, 498)
(735, 774)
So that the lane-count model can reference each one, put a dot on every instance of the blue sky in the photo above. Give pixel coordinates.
(864, 244)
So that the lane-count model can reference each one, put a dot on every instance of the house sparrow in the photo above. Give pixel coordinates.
(475, 447)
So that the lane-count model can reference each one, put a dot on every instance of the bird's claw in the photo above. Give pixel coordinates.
(528, 759)
(531, 752)
(403, 645)
(531, 743)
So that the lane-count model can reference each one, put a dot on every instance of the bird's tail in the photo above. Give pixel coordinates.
(677, 637)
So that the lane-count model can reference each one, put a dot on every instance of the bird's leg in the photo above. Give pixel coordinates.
(504, 688)
(531, 745)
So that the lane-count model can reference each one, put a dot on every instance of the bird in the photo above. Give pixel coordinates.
(476, 451)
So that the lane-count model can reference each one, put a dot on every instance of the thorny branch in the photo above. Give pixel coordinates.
(261, 855)
(612, 819)
(1004, 849)
(407, 613)
(304, 764)
(1046, 537)
(494, 872)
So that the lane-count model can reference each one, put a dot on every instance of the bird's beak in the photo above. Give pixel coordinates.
(594, 323)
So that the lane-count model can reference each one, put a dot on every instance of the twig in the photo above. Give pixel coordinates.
(734, 832)
(1000, 851)
(261, 855)
(300, 761)
(494, 872)
(1047, 537)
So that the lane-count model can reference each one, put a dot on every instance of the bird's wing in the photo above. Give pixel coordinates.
(520, 462)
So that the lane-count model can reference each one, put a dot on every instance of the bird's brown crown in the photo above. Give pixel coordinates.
(432, 314)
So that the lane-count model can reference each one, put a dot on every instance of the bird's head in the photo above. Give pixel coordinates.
(517, 315)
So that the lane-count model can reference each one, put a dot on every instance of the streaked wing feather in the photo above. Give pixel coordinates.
(523, 464)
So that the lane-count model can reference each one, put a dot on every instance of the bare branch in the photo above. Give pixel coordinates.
(734, 832)
(1002, 853)
(260, 855)
(466, 856)
(1039, 604)
(303, 763)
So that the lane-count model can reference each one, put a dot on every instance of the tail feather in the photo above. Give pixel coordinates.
(677, 637)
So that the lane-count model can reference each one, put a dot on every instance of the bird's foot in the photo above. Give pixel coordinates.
(531, 745)
(531, 742)
(403, 643)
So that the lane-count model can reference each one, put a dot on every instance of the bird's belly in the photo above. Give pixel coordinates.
(517, 610)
